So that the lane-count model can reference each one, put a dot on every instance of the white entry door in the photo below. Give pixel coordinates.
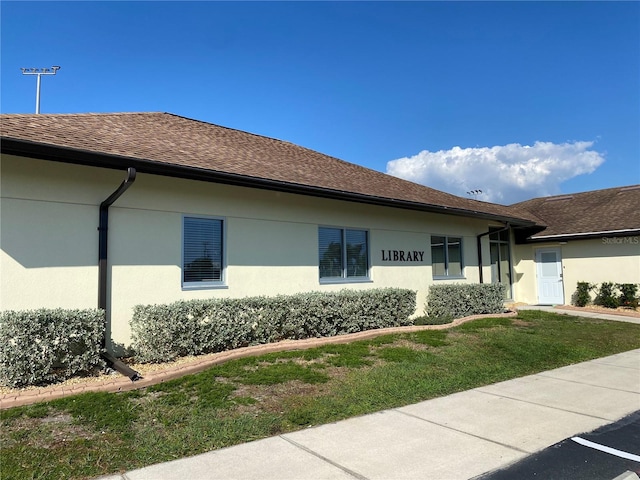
(549, 268)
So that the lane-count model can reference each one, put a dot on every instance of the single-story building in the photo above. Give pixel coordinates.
(115, 210)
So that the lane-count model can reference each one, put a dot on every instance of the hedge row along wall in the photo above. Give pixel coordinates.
(461, 300)
(163, 332)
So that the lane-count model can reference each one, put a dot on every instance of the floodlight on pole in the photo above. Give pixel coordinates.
(39, 72)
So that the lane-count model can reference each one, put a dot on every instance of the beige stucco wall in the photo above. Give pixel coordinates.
(49, 238)
(48, 234)
(524, 272)
(595, 260)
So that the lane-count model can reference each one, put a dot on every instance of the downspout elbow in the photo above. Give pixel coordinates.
(103, 238)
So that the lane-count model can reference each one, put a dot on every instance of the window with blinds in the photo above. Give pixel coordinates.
(343, 253)
(446, 256)
(202, 251)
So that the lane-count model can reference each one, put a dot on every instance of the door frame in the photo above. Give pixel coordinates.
(558, 252)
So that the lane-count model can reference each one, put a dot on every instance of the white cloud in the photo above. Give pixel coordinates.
(505, 174)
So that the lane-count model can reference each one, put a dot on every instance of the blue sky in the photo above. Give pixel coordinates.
(518, 99)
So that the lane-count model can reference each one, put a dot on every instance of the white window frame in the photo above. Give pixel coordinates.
(223, 257)
(448, 276)
(344, 278)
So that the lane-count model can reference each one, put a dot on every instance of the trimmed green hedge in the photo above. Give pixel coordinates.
(461, 300)
(163, 332)
(44, 346)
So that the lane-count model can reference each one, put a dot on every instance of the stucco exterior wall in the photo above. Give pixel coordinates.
(596, 260)
(48, 234)
(49, 240)
(524, 271)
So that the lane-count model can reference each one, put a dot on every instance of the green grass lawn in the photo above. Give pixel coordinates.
(98, 433)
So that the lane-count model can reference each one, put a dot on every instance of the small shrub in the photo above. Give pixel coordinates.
(44, 346)
(628, 295)
(164, 332)
(582, 295)
(461, 300)
(606, 296)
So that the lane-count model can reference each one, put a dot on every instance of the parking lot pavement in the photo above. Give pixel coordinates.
(607, 453)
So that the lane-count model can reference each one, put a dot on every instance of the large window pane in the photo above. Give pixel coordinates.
(202, 254)
(505, 269)
(495, 262)
(357, 255)
(343, 253)
(501, 260)
(455, 256)
(446, 256)
(438, 256)
(500, 235)
(330, 251)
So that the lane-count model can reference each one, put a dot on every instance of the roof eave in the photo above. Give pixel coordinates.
(24, 148)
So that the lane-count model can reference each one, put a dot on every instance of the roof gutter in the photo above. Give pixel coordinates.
(83, 157)
(103, 238)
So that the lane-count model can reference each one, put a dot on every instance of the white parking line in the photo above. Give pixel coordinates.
(603, 448)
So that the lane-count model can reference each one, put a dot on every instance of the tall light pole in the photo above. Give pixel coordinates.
(39, 72)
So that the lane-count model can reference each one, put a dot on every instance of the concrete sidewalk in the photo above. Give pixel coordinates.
(459, 436)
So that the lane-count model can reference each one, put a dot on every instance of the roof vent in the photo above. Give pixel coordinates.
(627, 189)
(564, 197)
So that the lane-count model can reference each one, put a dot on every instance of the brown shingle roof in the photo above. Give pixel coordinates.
(167, 139)
(599, 211)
